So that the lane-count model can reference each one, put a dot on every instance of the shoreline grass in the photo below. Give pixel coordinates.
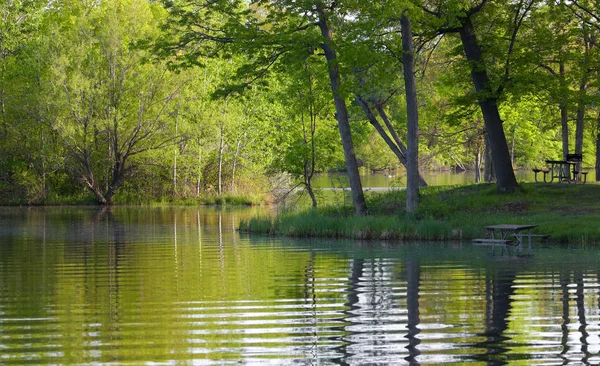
(135, 200)
(569, 213)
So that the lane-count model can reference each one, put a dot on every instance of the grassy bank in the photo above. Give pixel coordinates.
(569, 213)
(139, 200)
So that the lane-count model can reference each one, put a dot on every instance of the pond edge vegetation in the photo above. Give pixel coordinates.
(567, 212)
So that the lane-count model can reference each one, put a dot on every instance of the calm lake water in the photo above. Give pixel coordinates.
(181, 286)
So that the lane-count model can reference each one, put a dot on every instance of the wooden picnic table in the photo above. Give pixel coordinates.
(560, 169)
(506, 232)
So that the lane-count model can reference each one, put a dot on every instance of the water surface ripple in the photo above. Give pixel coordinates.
(182, 286)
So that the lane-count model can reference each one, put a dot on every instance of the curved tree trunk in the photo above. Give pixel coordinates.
(358, 198)
(505, 176)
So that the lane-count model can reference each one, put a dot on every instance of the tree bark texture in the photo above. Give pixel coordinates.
(478, 165)
(220, 172)
(564, 117)
(488, 167)
(412, 166)
(505, 176)
(358, 198)
(309, 164)
(579, 122)
(579, 126)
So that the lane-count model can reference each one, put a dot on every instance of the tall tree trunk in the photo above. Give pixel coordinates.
(220, 172)
(579, 121)
(43, 161)
(564, 117)
(512, 145)
(311, 192)
(478, 165)
(564, 122)
(2, 91)
(175, 157)
(221, 147)
(309, 164)
(488, 167)
(598, 149)
(358, 198)
(579, 125)
(235, 157)
(412, 166)
(199, 178)
(505, 176)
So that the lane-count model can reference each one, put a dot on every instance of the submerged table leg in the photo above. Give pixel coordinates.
(519, 238)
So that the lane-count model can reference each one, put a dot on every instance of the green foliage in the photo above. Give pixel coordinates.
(234, 85)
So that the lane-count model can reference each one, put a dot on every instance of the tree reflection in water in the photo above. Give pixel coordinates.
(577, 281)
(413, 274)
(499, 289)
(182, 286)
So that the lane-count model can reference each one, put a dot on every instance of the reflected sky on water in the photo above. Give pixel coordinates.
(182, 286)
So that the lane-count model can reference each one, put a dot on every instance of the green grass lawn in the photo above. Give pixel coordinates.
(570, 213)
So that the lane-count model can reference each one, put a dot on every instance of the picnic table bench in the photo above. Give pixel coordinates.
(505, 235)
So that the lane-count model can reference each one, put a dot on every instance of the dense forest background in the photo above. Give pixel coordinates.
(113, 100)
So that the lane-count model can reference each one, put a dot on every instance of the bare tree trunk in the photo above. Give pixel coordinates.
(43, 158)
(478, 165)
(199, 180)
(358, 198)
(311, 193)
(175, 156)
(505, 176)
(598, 149)
(412, 166)
(309, 165)
(221, 147)
(220, 173)
(235, 157)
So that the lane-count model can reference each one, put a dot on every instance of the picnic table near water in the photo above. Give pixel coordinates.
(568, 170)
(505, 235)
